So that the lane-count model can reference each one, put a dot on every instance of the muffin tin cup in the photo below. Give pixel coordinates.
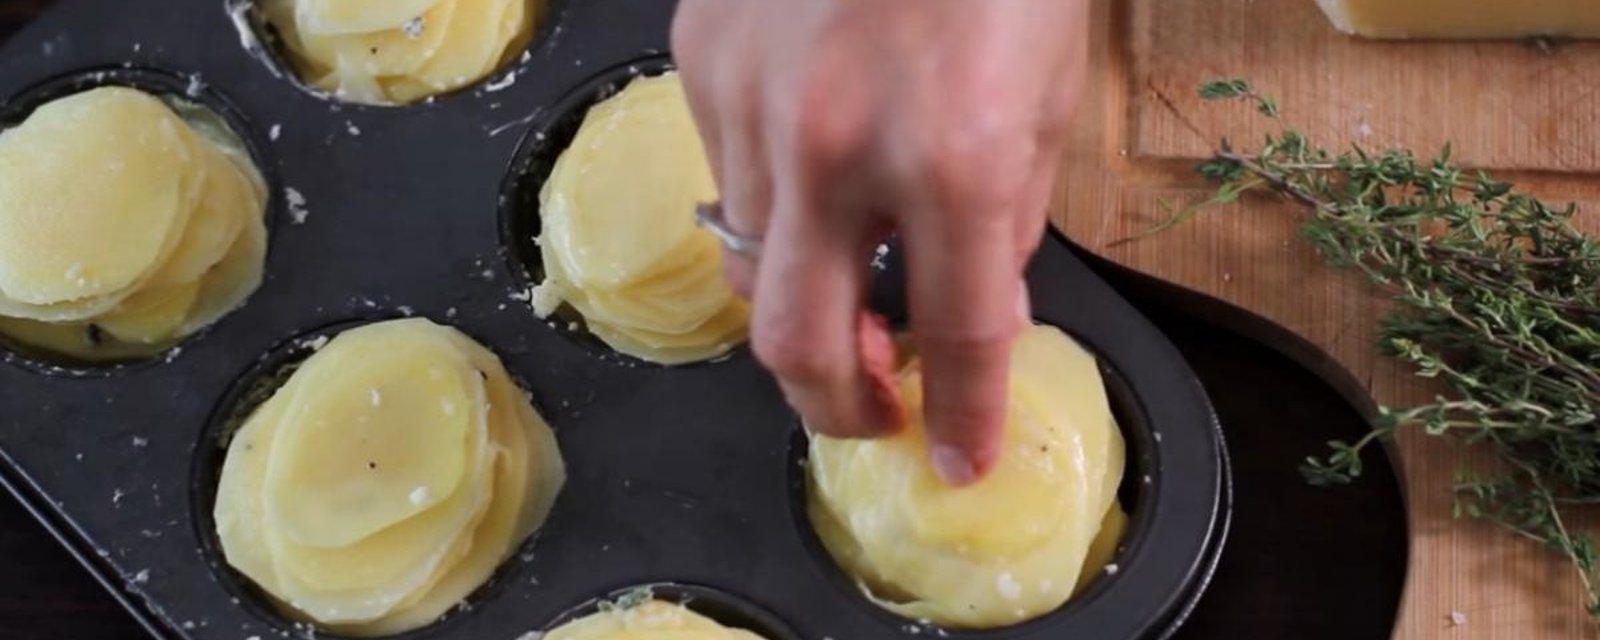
(677, 475)
(175, 89)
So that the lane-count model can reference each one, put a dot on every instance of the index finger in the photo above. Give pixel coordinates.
(966, 285)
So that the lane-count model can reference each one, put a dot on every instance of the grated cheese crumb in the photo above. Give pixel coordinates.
(1008, 586)
(297, 205)
(415, 27)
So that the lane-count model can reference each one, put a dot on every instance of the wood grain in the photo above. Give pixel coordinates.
(1519, 110)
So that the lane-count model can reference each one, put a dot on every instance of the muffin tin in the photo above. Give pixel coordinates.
(686, 478)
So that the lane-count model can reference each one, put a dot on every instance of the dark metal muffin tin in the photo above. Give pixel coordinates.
(688, 478)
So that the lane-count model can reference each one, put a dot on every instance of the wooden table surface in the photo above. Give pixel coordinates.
(1522, 112)
(1300, 562)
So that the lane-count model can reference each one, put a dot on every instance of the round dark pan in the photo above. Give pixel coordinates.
(677, 475)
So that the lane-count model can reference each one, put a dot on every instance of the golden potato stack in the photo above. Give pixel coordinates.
(386, 480)
(1010, 548)
(398, 51)
(620, 244)
(124, 227)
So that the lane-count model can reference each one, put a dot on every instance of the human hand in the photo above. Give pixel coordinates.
(830, 123)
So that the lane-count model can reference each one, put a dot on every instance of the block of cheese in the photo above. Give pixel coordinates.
(1464, 19)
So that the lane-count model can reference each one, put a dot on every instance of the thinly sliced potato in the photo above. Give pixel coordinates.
(227, 199)
(381, 565)
(393, 51)
(653, 620)
(333, 17)
(622, 197)
(1006, 549)
(93, 187)
(152, 316)
(471, 48)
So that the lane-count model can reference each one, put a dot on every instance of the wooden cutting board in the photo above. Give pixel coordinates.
(1524, 112)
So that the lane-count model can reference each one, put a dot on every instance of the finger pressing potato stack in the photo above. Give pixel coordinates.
(619, 239)
(1012, 547)
(398, 51)
(649, 620)
(386, 480)
(124, 226)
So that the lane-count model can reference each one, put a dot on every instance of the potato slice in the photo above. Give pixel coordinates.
(333, 17)
(92, 187)
(1060, 375)
(379, 432)
(652, 620)
(1104, 547)
(471, 48)
(1004, 550)
(528, 474)
(152, 316)
(349, 83)
(76, 340)
(516, 27)
(429, 553)
(728, 327)
(396, 566)
(228, 284)
(403, 89)
(227, 199)
(629, 258)
(391, 51)
(621, 198)
(675, 303)
(240, 512)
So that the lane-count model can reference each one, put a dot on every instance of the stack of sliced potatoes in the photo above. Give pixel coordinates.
(1017, 544)
(399, 51)
(650, 620)
(124, 226)
(619, 241)
(386, 480)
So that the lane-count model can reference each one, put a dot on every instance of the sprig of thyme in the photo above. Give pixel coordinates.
(1497, 296)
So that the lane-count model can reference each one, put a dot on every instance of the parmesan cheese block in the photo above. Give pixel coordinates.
(619, 241)
(650, 620)
(386, 480)
(398, 51)
(126, 223)
(1012, 547)
(1464, 19)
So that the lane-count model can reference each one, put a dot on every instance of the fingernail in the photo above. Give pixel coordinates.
(953, 465)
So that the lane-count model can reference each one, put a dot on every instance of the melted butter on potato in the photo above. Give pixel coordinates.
(1014, 546)
(386, 479)
(399, 51)
(619, 240)
(126, 224)
(650, 620)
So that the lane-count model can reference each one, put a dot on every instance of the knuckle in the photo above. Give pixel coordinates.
(969, 341)
(791, 357)
(831, 117)
(979, 152)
